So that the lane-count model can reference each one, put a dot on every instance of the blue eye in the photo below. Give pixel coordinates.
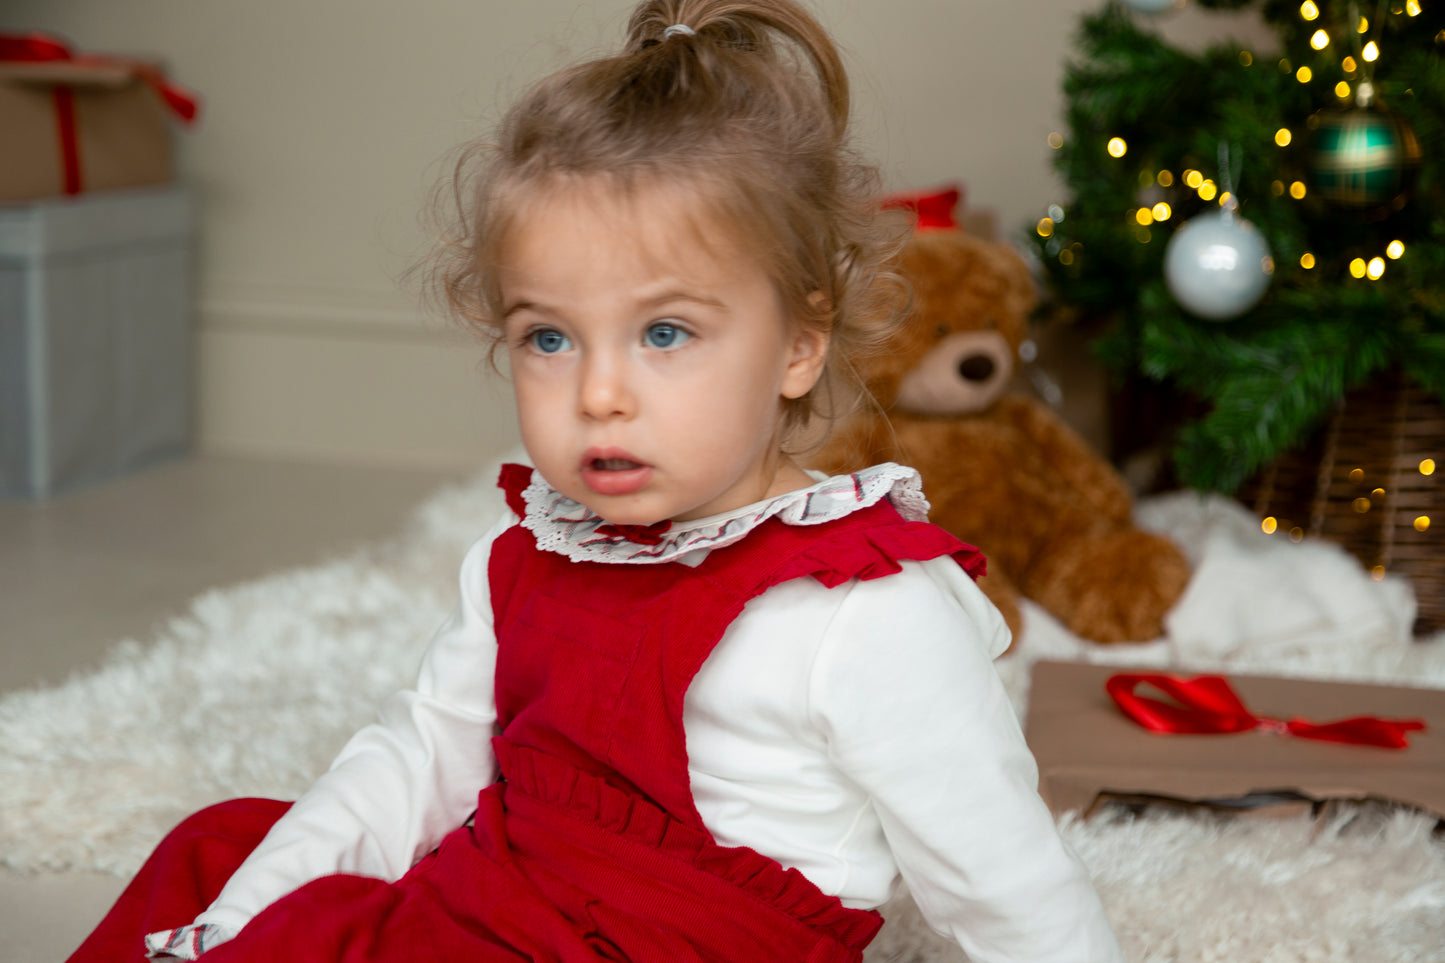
(548, 341)
(664, 334)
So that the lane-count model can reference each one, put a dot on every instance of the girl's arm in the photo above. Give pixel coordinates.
(399, 784)
(914, 712)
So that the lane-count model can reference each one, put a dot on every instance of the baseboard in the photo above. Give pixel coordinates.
(318, 375)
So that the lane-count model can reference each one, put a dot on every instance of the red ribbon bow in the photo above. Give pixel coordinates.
(640, 534)
(31, 47)
(1207, 704)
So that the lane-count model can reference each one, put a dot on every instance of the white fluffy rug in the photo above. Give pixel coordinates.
(257, 686)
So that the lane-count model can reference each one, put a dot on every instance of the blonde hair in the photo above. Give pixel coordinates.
(749, 111)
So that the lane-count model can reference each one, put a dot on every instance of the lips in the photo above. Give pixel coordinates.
(611, 471)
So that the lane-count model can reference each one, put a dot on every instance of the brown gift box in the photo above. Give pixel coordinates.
(1088, 751)
(122, 129)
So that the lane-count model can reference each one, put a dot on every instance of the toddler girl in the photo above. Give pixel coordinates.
(696, 704)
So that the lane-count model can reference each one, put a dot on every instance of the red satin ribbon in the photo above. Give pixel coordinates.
(1207, 704)
(64, 99)
(39, 48)
(31, 47)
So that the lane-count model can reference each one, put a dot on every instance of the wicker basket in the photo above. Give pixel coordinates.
(1373, 480)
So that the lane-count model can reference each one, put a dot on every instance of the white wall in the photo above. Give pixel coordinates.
(326, 122)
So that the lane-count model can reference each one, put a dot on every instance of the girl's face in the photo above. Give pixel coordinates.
(649, 356)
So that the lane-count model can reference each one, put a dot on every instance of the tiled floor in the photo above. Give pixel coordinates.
(81, 571)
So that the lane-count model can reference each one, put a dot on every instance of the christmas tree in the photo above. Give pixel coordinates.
(1260, 232)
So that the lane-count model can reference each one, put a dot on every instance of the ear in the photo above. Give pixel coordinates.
(809, 351)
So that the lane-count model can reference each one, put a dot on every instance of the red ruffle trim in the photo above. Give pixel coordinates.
(590, 798)
(513, 479)
(876, 552)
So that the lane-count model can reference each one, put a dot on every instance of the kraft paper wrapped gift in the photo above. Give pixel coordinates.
(1090, 752)
(72, 123)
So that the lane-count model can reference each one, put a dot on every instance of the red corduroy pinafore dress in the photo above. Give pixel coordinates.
(590, 847)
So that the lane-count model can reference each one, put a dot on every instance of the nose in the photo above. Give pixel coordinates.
(604, 392)
(978, 367)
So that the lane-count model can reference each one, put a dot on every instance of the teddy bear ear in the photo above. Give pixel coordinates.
(1022, 285)
(939, 254)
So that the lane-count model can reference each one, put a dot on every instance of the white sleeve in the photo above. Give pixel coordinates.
(906, 693)
(400, 784)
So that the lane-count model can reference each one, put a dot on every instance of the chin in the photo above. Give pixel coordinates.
(632, 514)
(615, 510)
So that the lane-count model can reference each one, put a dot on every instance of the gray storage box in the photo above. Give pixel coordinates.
(95, 336)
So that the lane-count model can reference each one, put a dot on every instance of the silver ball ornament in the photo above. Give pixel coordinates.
(1217, 266)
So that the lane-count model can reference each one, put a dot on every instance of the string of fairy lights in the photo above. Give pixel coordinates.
(1353, 88)
(1346, 51)
(1361, 504)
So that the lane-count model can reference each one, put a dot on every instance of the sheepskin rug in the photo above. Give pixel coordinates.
(254, 689)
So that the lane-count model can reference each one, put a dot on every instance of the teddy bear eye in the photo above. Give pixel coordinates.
(941, 330)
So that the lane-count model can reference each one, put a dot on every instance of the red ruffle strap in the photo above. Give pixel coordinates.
(1207, 704)
(591, 798)
(513, 479)
(876, 552)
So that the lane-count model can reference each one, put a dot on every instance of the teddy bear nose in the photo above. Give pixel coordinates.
(977, 367)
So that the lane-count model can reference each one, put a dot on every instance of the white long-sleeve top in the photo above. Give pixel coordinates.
(857, 734)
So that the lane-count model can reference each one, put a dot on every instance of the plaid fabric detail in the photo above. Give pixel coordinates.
(183, 942)
(1361, 157)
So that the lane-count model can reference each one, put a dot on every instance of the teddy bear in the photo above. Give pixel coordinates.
(1000, 469)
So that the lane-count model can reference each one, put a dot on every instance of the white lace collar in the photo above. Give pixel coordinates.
(568, 528)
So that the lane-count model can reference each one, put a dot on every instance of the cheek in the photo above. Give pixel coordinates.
(535, 381)
(740, 411)
(537, 405)
(523, 394)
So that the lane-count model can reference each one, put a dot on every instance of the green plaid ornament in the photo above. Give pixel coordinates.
(1363, 157)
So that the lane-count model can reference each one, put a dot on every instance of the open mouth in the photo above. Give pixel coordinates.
(614, 464)
(614, 473)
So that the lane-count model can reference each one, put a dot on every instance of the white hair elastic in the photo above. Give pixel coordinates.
(679, 30)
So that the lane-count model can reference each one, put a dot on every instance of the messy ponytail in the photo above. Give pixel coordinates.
(746, 105)
(733, 25)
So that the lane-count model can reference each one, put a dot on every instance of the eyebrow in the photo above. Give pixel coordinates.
(652, 302)
(523, 306)
(679, 295)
